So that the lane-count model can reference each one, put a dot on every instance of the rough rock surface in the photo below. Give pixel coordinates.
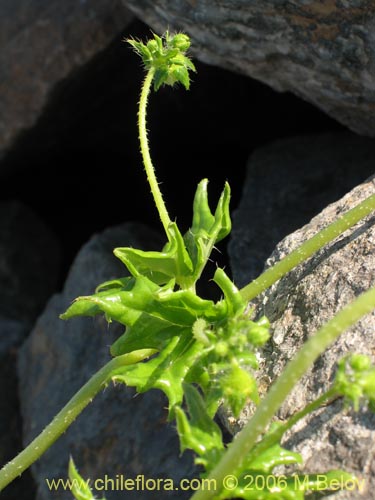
(29, 270)
(12, 333)
(321, 51)
(118, 434)
(287, 183)
(297, 306)
(40, 43)
(11, 336)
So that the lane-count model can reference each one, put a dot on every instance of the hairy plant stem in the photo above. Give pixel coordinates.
(274, 437)
(278, 392)
(307, 249)
(67, 415)
(150, 171)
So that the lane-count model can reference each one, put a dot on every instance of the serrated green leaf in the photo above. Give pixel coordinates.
(275, 455)
(207, 229)
(202, 216)
(233, 299)
(214, 226)
(157, 266)
(124, 305)
(160, 78)
(181, 74)
(152, 314)
(123, 283)
(256, 481)
(166, 371)
(183, 258)
(81, 307)
(222, 215)
(176, 245)
(173, 262)
(254, 476)
(143, 297)
(199, 432)
(190, 65)
(80, 488)
(159, 42)
(200, 420)
(183, 307)
(147, 333)
(142, 50)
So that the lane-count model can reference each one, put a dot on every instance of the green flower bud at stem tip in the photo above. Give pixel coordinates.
(221, 348)
(166, 56)
(181, 42)
(238, 386)
(359, 362)
(258, 335)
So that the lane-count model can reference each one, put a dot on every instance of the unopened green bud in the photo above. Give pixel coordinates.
(241, 340)
(238, 386)
(221, 348)
(359, 362)
(166, 55)
(368, 384)
(152, 45)
(180, 41)
(247, 359)
(355, 379)
(258, 335)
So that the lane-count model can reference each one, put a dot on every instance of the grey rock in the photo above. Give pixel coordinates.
(29, 262)
(287, 183)
(298, 305)
(118, 434)
(320, 51)
(12, 333)
(40, 43)
(29, 270)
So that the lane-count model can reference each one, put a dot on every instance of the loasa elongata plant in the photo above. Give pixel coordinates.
(203, 353)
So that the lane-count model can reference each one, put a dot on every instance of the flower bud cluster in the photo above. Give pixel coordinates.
(355, 380)
(167, 56)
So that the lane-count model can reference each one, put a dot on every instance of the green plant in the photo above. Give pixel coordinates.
(200, 352)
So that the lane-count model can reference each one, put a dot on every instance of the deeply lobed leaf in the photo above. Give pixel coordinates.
(80, 488)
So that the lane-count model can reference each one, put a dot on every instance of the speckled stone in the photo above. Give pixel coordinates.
(322, 51)
(297, 306)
